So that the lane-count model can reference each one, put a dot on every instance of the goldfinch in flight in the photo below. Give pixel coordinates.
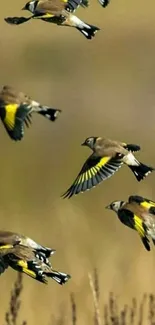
(107, 157)
(16, 109)
(25, 255)
(59, 12)
(139, 214)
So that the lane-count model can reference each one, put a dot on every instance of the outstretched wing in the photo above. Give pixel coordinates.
(17, 20)
(94, 171)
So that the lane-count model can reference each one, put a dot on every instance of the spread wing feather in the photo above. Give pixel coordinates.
(94, 171)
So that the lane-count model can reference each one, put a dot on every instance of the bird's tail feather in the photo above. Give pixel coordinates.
(104, 3)
(141, 171)
(88, 31)
(59, 277)
(50, 113)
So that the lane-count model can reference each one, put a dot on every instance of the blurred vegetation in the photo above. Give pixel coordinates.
(104, 87)
(135, 313)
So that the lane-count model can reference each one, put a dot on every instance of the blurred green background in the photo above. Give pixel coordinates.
(104, 87)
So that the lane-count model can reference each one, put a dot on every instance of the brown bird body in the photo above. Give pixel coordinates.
(14, 239)
(59, 12)
(107, 157)
(105, 147)
(16, 109)
(25, 255)
(139, 214)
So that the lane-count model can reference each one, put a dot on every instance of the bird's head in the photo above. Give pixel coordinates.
(30, 6)
(90, 142)
(115, 205)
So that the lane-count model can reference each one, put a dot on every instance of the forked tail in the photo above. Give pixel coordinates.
(141, 171)
(50, 113)
(88, 31)
(59, 277)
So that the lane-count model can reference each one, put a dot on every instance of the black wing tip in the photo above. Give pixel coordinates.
(15, 20)
(68, 194)
(146, 243)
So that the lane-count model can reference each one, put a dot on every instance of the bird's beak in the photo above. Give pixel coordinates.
(108, 207)
(83, 144)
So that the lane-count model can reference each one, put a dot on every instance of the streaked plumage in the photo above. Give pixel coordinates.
(139, 214)
(16, 109)
(25, 255)
(107, 157)
(59, 12)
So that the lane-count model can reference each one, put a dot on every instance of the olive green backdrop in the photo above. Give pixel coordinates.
(104, 87)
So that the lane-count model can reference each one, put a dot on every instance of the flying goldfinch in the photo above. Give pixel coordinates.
(139, 214)
(107, 157)
(25, 255)
(16, 109)
(59, 12)
(13, 239)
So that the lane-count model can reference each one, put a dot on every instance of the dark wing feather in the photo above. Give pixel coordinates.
(3, 264)
(94, 171)
(132, 221)
(72, 5)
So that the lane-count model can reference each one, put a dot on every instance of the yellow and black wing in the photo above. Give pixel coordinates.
(27, 261)
(13, 117)
(129, 219)
(94, 171)
(143, 202)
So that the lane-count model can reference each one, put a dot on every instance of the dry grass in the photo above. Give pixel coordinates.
(137, 313)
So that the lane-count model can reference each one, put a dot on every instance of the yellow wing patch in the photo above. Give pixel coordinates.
(147, 205)
(139, 226)
(6, 247)
(29, 272)
(10, 113)
(93, 170)
(24, 266)
(47, 15)
(102, 162)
